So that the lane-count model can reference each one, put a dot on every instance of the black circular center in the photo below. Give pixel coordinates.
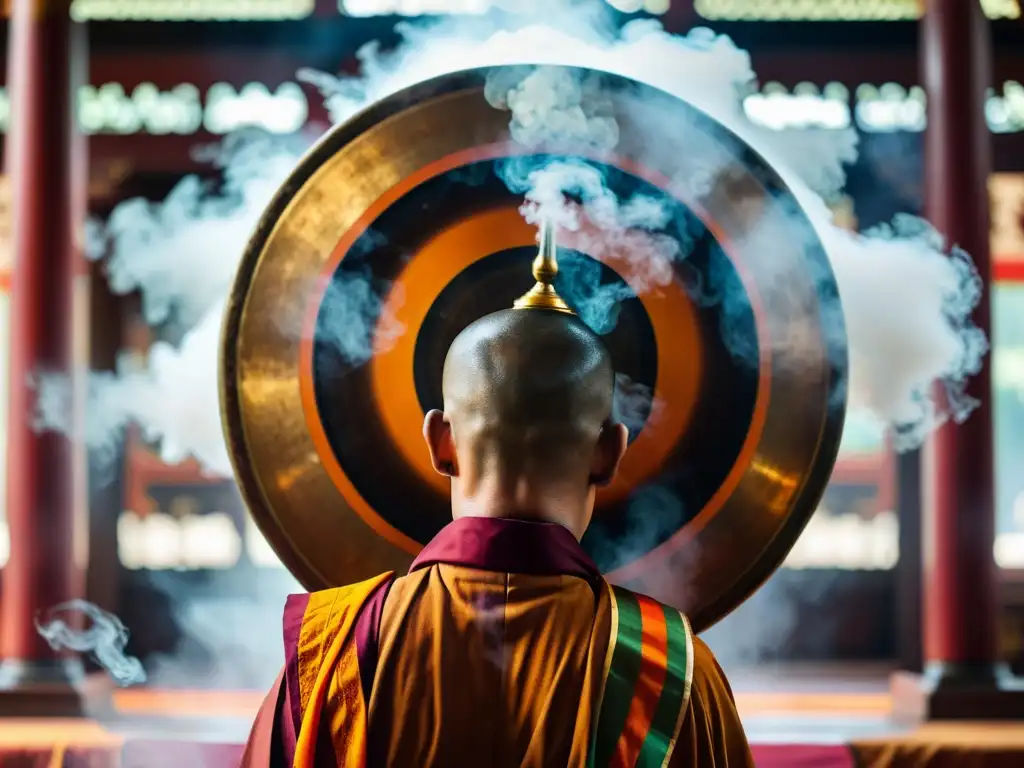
(483, 287)
(350, 315)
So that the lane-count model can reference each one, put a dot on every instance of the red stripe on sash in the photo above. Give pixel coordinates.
(649, 684)
(368, 636)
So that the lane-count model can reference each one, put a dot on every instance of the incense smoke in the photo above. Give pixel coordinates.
(627, 227)
(654, 513)
(634, 404)
(906, 303)
(104, 639)
(152, 397)
(182, 253)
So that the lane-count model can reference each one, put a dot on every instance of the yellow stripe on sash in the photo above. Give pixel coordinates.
(347, 706)
(326, 660)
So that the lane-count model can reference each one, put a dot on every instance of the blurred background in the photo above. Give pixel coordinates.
(168, 77)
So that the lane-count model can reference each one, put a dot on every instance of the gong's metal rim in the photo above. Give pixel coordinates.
(803, 509)
(232, 419)
(820, 449)
(654, 443)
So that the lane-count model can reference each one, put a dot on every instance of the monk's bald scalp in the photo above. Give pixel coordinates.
(528, 381)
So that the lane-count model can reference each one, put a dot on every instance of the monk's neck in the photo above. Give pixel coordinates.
(521, 501)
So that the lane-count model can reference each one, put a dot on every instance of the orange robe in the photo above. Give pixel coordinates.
(503, 646)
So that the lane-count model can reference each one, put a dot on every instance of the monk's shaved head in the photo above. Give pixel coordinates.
(527, 403)
(528, 385)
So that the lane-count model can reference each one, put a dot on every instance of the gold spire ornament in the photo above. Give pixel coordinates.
(545, 269)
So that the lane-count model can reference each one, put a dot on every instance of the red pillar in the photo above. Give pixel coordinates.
(42, 569)
(960, 575)
(962, 677)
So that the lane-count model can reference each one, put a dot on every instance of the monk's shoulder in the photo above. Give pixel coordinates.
(409, 583)
(711, 733)
(705, 665)
(676, 626)
(640, 598)
(709, 686)
(329, 606)
(707, 679)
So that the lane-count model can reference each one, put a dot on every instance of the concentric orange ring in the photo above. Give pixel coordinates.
(681, 390)
(451, 251)
(286, 466)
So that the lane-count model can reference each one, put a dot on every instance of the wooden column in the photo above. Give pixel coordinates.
(45, 565)
(962, 677)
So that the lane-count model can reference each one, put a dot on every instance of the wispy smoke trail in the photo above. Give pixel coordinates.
(182, 253)
(104, 639)
(354, 313)
(895, 358)
(654, 512)
(634, 404)
(768, 626)
(152, 397)
(554, 105)
(606, 227)
(906, 303)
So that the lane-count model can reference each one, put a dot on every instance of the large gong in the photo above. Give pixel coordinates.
(398, 229)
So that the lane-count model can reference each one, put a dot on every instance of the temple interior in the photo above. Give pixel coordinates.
(833, 660)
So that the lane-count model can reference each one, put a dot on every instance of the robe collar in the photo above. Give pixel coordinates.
(508, 546)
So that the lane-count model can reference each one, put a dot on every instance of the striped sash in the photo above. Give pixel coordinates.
(647, 684)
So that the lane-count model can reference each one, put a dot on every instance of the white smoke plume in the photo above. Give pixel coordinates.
(103, 638)
(153, 398)
(605, 225)
(182, 253)
(906, 303)
(634, 404)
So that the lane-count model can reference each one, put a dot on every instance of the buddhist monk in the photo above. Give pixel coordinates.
(503, 645)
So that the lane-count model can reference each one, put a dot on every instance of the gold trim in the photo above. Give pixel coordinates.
(685, 705)
(613, 642)
(545, 269)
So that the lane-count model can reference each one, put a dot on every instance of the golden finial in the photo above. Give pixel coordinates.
(545, 268)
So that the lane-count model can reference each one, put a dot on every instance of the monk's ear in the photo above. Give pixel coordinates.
(437, 431)
(611, 447)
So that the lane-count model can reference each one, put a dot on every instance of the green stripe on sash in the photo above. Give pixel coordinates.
(621, 681)
(662, 735)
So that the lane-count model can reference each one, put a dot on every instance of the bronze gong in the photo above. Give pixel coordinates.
(397, 230)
